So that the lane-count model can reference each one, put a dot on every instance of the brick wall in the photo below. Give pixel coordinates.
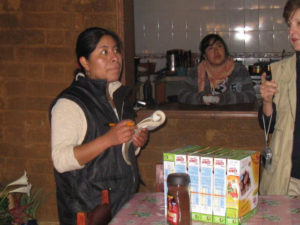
(240, 132)
(37, 45)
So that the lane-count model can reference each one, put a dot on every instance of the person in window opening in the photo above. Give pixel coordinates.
(281, 109)
(217, 79)
(87, 154)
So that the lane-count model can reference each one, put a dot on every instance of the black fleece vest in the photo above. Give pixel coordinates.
(80, 190)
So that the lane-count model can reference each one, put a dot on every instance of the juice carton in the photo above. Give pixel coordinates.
(219, 186)
(206, 186)
(201, 184)
(169, 159)
(181, 158)
(169, 163)
(194, 173)
(242, 186)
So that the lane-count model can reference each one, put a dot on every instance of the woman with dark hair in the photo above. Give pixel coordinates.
(280, 112)
(217, 79)
(210, 40)
(87, 153)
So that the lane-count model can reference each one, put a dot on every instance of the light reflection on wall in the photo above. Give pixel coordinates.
(247, 26)
(241, 35)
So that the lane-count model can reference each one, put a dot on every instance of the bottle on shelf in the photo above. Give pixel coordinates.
(148, 97)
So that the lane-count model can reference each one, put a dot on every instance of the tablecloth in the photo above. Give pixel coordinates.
(148, 208)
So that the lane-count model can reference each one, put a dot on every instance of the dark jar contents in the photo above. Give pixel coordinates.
(178, 199)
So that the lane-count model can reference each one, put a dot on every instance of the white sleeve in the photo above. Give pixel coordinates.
(68, 129)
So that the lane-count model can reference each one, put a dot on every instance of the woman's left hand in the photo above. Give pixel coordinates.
(140, 138)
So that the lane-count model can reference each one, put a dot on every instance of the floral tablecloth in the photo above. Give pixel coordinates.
(148, 208)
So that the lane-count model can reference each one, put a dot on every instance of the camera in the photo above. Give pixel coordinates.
(266, 157)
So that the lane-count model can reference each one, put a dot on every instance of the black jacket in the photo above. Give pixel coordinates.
(80, 190)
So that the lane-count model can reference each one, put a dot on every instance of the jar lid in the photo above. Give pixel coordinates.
(182, 179)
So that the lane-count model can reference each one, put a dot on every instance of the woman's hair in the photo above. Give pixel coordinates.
(205, 43)
(88, 40)
(290, 7)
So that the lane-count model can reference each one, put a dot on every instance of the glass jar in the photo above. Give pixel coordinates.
(178, 199)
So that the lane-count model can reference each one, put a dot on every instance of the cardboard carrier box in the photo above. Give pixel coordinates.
(224, 181)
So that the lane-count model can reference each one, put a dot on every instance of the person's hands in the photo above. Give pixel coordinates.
(140, 138)
(267, 89)
(121, 132)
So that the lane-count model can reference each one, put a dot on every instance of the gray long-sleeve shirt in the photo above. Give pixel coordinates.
(237, 88)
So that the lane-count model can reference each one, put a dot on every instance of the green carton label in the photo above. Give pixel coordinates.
(169, 157)
(238, 221)
(219, 219)
(232, 213)
(196, 216)
(205, 218)
(232, 221)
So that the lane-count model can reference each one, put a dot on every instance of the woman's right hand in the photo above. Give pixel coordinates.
(116, 135)
(121, 132)
(267, 91)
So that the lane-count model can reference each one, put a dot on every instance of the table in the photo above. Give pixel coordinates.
(148, 209)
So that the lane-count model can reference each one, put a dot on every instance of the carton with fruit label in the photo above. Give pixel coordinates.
(242, 186)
